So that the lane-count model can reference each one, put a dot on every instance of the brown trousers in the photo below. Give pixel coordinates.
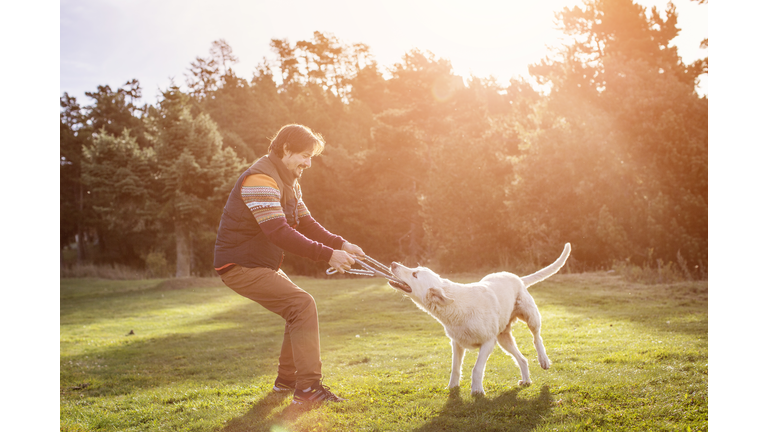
(300, 354)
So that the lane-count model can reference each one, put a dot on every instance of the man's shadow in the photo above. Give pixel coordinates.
(260, 417)
(505, 412)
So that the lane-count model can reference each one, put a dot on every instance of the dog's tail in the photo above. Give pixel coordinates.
(548, 270)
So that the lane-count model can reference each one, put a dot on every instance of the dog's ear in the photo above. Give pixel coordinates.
(437, 296)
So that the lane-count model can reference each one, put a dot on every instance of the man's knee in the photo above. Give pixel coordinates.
(307, 301)
(302, 307)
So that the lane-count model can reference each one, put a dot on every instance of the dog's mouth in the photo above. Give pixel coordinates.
(395, 284)
(400, 286)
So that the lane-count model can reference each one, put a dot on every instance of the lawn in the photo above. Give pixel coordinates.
(191, 355)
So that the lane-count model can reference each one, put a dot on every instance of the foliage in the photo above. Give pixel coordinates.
(627, 133)
(157, 265)
(176, 183)
(192, 355)
(111, 113)
(421, 166)
(194, 174)
(119, 174)
(207, 74)
(72, 205)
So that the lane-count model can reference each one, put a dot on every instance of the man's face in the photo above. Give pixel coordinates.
(297, 162)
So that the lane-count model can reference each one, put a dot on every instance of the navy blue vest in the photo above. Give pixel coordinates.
(240, 240)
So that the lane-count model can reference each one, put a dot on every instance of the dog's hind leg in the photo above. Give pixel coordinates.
(507, 343)
(534, 325)
(458, 359)
(479, 370)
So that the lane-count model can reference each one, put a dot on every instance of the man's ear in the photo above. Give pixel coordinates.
(437, 296)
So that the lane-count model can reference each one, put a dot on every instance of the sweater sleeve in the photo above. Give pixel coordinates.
(288, 239)
(313, 230)
(262, 196)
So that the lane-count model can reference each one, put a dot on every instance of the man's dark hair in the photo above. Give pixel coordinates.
(296, 139)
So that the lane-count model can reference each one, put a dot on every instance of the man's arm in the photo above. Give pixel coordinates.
(313, 230)
(288, 239)
(261, 195)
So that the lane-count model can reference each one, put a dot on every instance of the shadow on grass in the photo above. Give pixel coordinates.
(234, 355)
(506, 412)
(260, 418)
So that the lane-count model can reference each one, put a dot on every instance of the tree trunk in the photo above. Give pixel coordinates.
(191, 253)
(182, 250)
(79, 236)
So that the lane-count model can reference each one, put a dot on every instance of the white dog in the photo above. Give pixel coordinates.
(478, 314)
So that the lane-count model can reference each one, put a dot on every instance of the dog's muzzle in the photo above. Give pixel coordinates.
(398, 284)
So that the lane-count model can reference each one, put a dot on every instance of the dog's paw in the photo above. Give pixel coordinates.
(524, 382)
(545, 363)
(478, 392)
(477, 387)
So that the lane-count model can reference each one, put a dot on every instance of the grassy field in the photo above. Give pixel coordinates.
(191, 355)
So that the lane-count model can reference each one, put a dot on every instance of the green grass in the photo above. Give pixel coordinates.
(201, 358)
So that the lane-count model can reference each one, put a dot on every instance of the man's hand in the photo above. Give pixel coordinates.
(353, 249)
(341, 260)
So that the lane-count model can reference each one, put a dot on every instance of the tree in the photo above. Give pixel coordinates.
(247, 114)
(323, 61)
(194, 174)
(115, 111)
(209, 74)
(72, 139)
(111, 112)
(120, 176)
(438, 157)
(623, 134)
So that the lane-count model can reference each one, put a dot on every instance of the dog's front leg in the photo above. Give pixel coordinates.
(479, 370)
(458, 359)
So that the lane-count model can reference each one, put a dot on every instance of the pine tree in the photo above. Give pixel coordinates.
(119, 175)
(194, 174)
(72, 193)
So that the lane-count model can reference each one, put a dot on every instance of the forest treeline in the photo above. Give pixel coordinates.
(420, 165)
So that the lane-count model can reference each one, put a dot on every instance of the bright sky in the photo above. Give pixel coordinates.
(113, 41)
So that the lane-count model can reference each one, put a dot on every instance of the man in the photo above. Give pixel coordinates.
(263, 217)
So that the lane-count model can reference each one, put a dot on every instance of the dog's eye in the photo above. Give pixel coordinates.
(414, 275)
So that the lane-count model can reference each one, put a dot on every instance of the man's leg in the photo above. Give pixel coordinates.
(286, 367)
(278, 294)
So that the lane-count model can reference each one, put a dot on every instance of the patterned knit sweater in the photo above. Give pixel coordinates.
(309, 239)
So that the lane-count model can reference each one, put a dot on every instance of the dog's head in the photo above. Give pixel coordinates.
(426, 288)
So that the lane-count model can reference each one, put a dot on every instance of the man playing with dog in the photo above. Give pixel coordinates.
(264, 216)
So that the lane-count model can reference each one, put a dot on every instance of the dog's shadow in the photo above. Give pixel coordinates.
(261, 418)
(505, 412)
